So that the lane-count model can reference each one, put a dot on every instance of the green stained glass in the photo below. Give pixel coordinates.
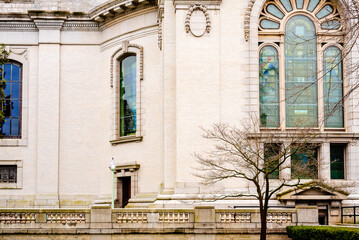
(269, 87)
(333, 88)
(337, 161)
(272, 154)
(128, 96)
(325, 11)
(301, 73)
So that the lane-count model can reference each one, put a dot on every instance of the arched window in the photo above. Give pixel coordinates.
(303, 37)
(128, 107)
(11, 104)
(269, 86)
(301, 72)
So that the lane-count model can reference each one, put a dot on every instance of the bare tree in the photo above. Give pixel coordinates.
(3, 59)
(260, 158)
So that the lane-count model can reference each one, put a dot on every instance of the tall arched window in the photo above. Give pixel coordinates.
(269, 86)
(301, 72)
(11, 104)
(303, 37)
(128, 107)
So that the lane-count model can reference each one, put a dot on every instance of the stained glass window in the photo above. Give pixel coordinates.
(331, 25)
(128, 96)
(11, 104)
(269, 24)
(299, 4)
(300, 73)
(325, 11)
(269, 87)
(272, 9)
(304, 163)
(312, 5)
(287, 5)
(333, 88)
(337, 161)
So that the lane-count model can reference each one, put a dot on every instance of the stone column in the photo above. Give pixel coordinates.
(48, 112)
(324, 162)
(169, 96)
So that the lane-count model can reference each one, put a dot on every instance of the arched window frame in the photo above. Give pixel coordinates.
(325, 38)
(126, 50)
(20, 56)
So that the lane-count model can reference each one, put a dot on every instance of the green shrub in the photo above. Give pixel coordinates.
(322, 233)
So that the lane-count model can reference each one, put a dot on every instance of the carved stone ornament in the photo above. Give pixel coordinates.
(198, 20)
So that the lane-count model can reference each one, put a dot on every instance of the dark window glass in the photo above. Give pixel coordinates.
(128, 96)
(272, 158)
(304, 162)
(337, 161)
(11, 105)
(8, 173)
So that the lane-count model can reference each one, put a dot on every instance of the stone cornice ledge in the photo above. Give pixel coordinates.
(210, 4)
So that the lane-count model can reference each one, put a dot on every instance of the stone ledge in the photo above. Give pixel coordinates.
(126, 140)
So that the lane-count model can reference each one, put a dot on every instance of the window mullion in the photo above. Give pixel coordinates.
(321, 115)
(282, 118)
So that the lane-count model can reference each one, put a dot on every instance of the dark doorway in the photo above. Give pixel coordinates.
(323, 214)
(123, 191)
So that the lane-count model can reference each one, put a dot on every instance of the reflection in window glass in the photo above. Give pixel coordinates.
(304, 163)
(11, 104)
(269, 87)
(333, 88)
(128, 96)
(337, 161)
(272, 155)
(330, 25)
(300, 73)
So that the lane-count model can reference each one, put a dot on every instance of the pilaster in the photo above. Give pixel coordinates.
(48, 107)
(324, 162)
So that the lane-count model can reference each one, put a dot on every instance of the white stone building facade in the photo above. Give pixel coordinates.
(70, 55)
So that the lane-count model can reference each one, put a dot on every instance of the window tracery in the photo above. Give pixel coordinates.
(300, 65)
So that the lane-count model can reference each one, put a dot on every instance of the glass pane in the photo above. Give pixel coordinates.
(325, 11)
(7, 72)
(269, 87)
(5, 129)
(128, 96)
(312, 4)
(272, 9)
(15, 90)
(304, 163)
(299, 4)
(272, 157)
(301, 73)
(269, 24)
(14, 126)
(15, 107)
(7, 89)
(333, 24)
(15, 73)
(337, 161)
(287, 5)
(333, 88)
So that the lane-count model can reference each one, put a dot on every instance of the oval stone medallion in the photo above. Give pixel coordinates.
(198, 23)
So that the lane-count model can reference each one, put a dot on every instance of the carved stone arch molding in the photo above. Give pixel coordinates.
(125, 49)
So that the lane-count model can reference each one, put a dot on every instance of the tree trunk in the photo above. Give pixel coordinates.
(263, 212)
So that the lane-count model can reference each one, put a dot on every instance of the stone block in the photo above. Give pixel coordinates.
(307, 215)
(101, 214)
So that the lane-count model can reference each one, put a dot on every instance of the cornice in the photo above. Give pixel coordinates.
(115, 8)
(17, 25)
(184, 4)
